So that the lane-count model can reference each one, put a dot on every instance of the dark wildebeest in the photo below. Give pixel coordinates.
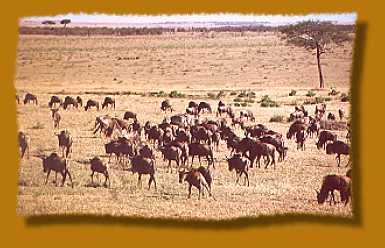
(79, 101)
(278, 143)
(204, 106)
(300, 138)
(294, 128)
(55, 163)
(196, 149)
(155, 134)
(248, 114)
(341, 113)
(143, 166)
(172, 153)
(314, 127)
(55, 100)
(98, 166)
(349, 173)
(91, 103)
(335, 182)
(195, 178)
(30, 98)
(240, 165)
(338, 147)
(256, 150)
(108, 101)
(331, 117)
(55, 118)
(166, 105)
(65, 142)
(324, 137)
(129, 115)
(192, 104)
(24, 144)
(146, 152)
(70, 101)
(226, 109)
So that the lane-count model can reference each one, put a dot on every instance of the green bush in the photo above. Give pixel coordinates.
(237, 99)
(292, 93)
(244, 104)
(236, 104)
(310, 93)
(267, 102)
(175, 94)
(278, 118)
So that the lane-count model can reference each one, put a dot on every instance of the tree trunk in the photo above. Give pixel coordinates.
(321, 78)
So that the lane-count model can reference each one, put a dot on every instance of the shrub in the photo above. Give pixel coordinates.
(244, 104)
(221, 94)
(38, 125)
(310, 93)
(233, 93)
(333, 92)
(292, 93)
(237, 99)
(278, 118)
(267, 102)
(237, 104)
(175, 94)
(345, 97)
(211, 95)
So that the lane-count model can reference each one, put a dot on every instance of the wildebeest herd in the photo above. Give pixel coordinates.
(132, 144)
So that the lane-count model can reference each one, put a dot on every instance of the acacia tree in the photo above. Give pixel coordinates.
(65, 22)
(315, 35)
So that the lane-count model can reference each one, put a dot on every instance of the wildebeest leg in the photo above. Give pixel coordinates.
(46, 179)
(199, 158)
(169, 166)
(238, 176)
(70, 177)
(92, 177)
(247, 178)
(192, 160)
(338, 159)
(140, 180)
(189, 191)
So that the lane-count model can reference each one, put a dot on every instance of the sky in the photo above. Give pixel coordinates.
(342, 18)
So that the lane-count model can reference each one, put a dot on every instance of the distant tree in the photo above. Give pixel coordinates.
(65, 22)
(315, 35)
(48, 22)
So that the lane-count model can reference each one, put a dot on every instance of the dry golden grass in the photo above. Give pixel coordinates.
(194, 65)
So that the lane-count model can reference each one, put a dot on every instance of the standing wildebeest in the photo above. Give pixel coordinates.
(294, 128)
(108, 101)
(196, 149)
(341, 113)
(331, 117)
(143, 166)
(278, 143)
(98, 166)
(129, 115)
(70, 101)
(300, 138)
(324, 137)
(195, 178)
(166, 105)
(155, 134)
(204, 106)
(65, 142)
(314, 127)
(335, 182)
(54, 101)
(24, 144)
(55, 118)
(91, 103)
(338, 147)
(240, 165)
(55, 163)
(248, 114)
(79, 101)
(172, 153)
(30, 98)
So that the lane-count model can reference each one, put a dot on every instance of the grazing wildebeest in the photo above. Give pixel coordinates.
(335, 182)
(300, 138)
(108, 101)
(240, 165)
(324, 137)
(338, 147)
(278, 143)
(196, 149)
(70, 101)
(30, 98)
(331, 117)
(79, 101)
(143, 166)
(204, 106)
(98, 166)
(294, 128)
(166, 105)
(55, 118)
(248, 114)
(91, 103)
(194, 178)
(341, 113)
(24, 144)
(57, 164)
(65, 142)
(55, 100)
(129, 115)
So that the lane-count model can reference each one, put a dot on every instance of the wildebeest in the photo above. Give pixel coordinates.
(192, 104)
(30, 98)
(195, 178)
(57, 164)
(338, 147)
(155, 134)
(314, 127)
(248, 114)
(200, 150)
(108, 101)
(240, 165)
(331, 117)
(98, 166)
(204, 106)
(24, 144)
(300, 138)
(172, 153)
(70, 101)
(17, 99)
(341, 113)
(129, 115)
(334, 182)
(349, 173)
(55, 100)
(166, 105)
(91, 103)
(55, 118)
(143, 166)
(294, 128)
(278, 143)
(65, 142)
(79, 101)
(324, 137)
